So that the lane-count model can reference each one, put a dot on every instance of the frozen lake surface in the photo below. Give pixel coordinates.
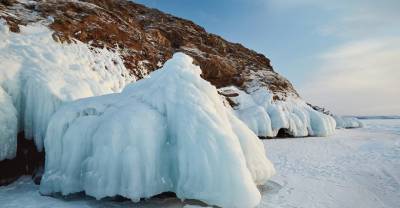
(353, 168)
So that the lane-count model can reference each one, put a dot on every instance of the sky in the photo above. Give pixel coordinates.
(343, 55)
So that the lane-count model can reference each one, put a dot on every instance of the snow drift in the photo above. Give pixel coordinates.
(168, 132)
(267, 117)
(37, 75)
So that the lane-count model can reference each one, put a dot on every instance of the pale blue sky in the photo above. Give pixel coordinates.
(343, 54)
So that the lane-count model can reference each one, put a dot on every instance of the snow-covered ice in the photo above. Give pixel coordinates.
(39, 74)
(353, 168)
(390, 126)
(168, 132)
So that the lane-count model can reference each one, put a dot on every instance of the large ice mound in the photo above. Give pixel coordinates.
(168, 132)
(267, 117)
(37, 75)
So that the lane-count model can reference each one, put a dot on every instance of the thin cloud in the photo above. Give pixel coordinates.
(358, 78)
(361, 75)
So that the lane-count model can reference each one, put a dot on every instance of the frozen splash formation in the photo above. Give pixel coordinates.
(168, 132)
(268, 118)
(37, 75)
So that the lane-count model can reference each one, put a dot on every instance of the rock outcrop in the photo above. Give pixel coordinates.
(146, 38)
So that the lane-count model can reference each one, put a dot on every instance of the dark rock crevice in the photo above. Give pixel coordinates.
(28, 161)
(284, 133)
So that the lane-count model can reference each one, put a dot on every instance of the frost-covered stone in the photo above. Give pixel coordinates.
(266, 117)
(38, 75)
(168, 132)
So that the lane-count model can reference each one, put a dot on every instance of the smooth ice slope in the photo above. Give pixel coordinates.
(168, 132)
(266, 117)
(39, 74)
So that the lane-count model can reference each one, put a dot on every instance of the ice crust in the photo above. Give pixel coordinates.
(168, 132)
(266, 117)
(38, 75)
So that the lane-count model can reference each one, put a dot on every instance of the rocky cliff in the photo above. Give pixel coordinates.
(146, 38)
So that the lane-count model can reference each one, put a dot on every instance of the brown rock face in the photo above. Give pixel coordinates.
(146, 38)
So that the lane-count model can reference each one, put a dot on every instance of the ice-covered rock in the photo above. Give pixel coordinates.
(267, 117)
(341, 121)
(168, 132)
(39, 74)
(347, 122)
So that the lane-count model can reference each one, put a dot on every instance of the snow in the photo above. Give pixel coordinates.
(39, 75)
(379, 117)
(389, 126)
(168, 132)
(353, 168)
(266, 117)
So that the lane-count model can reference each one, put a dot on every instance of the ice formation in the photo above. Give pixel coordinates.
(266, 117)
(347, 122)
(167, 132)
(8, 127)
(37, 75)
